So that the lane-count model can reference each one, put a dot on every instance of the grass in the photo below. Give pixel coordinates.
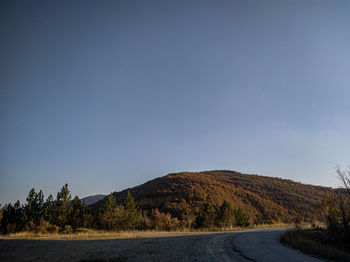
(91, 234)
(312, 241)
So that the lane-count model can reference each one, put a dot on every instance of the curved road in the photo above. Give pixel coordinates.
(264, 245)
(242, 246)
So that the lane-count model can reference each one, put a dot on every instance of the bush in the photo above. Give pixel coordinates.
(313, 242)
(46, 227)
(67, 229)
(83, 230)
(241, 218)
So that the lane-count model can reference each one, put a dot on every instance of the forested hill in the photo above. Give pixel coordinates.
(89, 200)
(265, 198)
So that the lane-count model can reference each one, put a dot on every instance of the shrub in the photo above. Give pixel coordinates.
(67, 229)
(313, 242)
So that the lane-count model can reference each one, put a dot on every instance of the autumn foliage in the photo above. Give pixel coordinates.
(181, 201)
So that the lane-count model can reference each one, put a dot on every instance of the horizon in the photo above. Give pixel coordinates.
(109, 95)
(123, 189)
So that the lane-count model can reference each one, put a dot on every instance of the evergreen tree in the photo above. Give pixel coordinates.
(12, 218)
(38, 207)
(87, 218)
(0, 214)
(108, 215)
(130, 212)
(208, 217)
(29, 208)
(227, 217)
(63, 207)
(80, 215)
(33, 209)
(241, 218)
(49, 210)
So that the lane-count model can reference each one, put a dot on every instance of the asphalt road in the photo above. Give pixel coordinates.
(258, 245)
(264, 245)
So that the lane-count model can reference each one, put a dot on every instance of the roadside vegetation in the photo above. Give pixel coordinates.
(332, 241)
(202, 201)
(213, 200)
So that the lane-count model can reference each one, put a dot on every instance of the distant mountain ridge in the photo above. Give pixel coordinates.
(268, 198)
(89, 200)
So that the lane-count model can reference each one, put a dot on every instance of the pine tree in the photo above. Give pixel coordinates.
(226, 215)
(241, 218)
(108, 215)
(12, 218)
(80, 216)
(30, 207)
(49, 210)
(87, 218)
(63, 207)
(38, 207)
(0, 213)
(208, 217)
(130, 212)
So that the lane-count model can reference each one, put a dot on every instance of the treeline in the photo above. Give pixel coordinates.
(67, 215)
(62, 214)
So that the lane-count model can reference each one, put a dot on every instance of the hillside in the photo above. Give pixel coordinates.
(89, 200)
(268, 198)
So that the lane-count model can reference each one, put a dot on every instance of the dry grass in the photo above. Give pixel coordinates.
(91, 234)
(310, 241)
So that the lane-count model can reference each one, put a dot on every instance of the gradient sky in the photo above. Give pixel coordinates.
(105, 95)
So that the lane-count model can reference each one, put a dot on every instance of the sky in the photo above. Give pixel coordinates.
(106, 95)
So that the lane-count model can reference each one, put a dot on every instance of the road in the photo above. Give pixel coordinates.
(264, 245)
(242, 246)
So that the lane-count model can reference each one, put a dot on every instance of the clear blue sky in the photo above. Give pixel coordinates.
(106, 95)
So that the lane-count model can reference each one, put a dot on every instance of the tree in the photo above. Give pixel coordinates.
(30, 206)
(331, 211)
(12, 218)
(86, 216)
(161, 221)
(76, 216)
(344, 201)
(130, 212)
(63, 207)
(49, 210)
(108, 216)
(0, 214)
(80, 214)
(344, 177)
(33, 210)
(227, 217)
(207, 217)
(241, 218)
(39, 207)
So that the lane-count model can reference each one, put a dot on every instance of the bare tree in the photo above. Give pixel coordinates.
(344, 199)
(344, 177)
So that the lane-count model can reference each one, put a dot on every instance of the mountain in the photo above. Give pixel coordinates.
(89, 200)
(267, 198)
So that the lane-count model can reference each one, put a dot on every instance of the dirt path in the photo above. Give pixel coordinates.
(259, 245)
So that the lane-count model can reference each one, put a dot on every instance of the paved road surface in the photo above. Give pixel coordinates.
(243, 246)
(264, 245)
